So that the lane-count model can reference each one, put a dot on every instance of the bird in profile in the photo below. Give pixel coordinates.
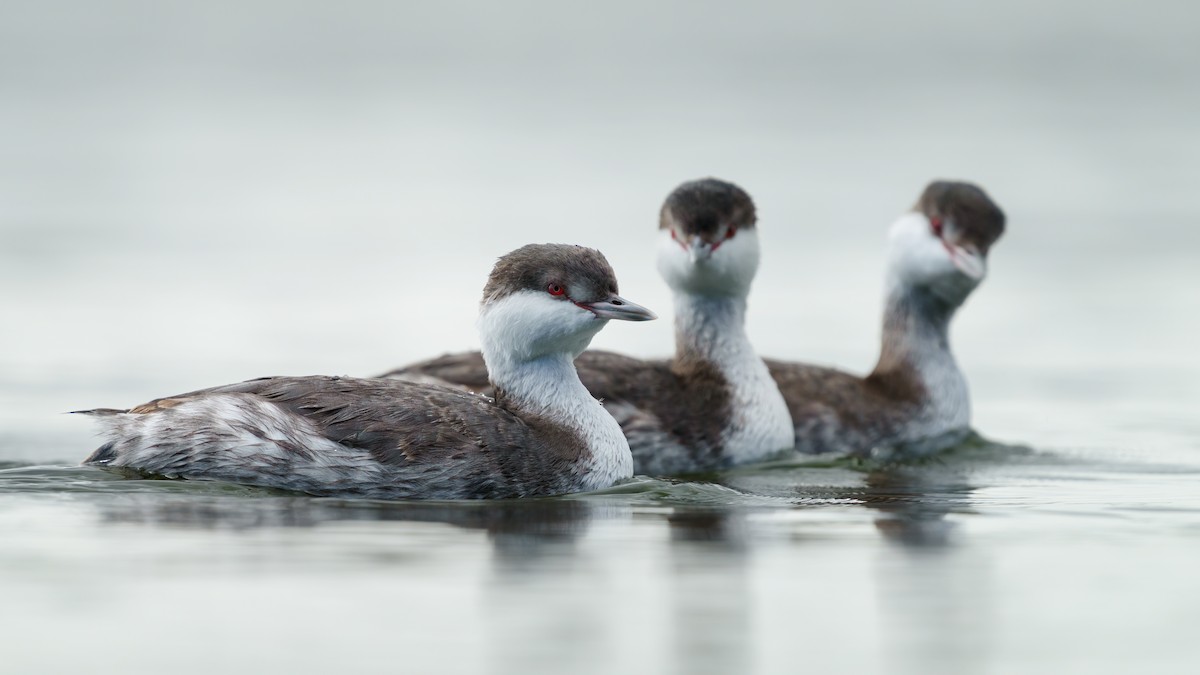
(541, 434)
(916, 399)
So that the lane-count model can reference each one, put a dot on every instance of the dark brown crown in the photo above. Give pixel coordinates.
(971, 217)
(707, 207)
(534, 267)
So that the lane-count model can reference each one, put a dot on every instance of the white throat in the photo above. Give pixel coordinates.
(529, 343)
(713, 330)
(916, 338)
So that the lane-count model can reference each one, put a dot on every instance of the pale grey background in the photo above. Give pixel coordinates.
(196, 193)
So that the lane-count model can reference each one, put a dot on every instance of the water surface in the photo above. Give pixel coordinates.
(197, 194)
(990, 558)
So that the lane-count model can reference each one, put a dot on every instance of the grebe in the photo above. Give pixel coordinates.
(714, 404)
(543, 434)
(915, 400)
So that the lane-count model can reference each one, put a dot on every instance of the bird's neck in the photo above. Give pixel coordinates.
(548, 388)
(710, 330)
(710, 334)
(916, 348)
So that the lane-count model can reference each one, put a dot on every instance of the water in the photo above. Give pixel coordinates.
(197, 195)
(989, 559)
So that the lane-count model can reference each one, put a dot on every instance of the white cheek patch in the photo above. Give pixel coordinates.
(529, 324)
(738, 257)
(674, 264)
(728, 271)
(918, 258)
(915, 253)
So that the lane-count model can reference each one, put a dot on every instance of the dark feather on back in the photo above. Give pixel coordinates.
(688, 403)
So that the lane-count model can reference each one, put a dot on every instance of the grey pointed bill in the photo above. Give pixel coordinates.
(616, 307)
(699, 250)
(969, 262)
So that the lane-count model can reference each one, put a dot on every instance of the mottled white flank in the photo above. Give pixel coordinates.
(234, 437)
(710, 318)
(530, 341)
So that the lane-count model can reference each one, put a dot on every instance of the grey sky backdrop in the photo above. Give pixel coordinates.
(195, 193)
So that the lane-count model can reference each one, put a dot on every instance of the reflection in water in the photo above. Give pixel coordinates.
(668, 572)
(916, 505)
(518, 529)
(701, 598)
(722, 531)
(934, 590)
(534, 548)
(710, 592)
(895, 569)
(539, 562)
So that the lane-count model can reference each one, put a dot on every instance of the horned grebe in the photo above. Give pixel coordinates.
(916, 399)
(543, 434)
(714, 404)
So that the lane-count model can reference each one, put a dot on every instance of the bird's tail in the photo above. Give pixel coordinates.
(106, 453)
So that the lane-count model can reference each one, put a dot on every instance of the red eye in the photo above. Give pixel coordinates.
(555, 289)
(936, 224)
(729, 233)
(675, 238)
